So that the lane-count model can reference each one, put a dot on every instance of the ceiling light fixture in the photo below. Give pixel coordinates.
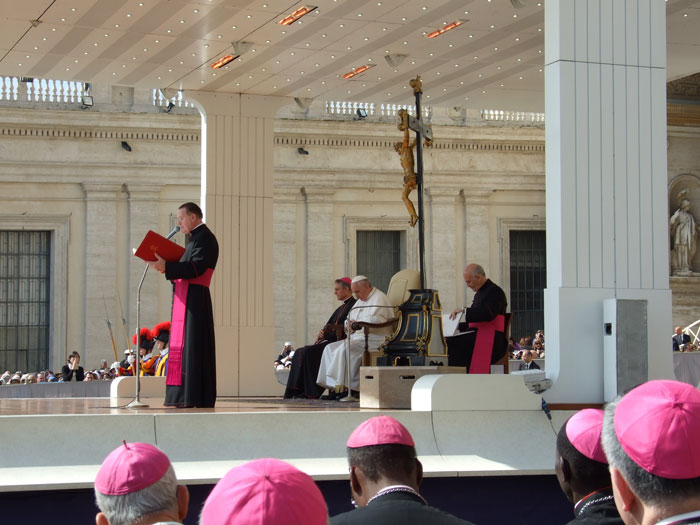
(357, 71)
(446, 28)
(223, 61)
(296, 15)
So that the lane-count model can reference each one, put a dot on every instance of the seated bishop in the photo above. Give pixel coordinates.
(483, 340)
(372, 306)
(306, 360)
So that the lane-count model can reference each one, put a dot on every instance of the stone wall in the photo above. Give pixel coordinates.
(65, 170)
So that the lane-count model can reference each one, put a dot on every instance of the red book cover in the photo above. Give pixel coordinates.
(155, 243)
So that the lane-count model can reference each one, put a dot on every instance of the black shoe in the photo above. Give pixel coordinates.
(355, 393)
(331, 396)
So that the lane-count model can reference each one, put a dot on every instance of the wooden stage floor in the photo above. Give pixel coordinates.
(224, 405)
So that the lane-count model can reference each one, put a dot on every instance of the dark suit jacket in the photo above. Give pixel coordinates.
(397, 508)
(533, 366)
(68, 373)
(679, 340)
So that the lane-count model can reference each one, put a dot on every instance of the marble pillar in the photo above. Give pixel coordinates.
(237, 193)
(607, 233)
(101, 254)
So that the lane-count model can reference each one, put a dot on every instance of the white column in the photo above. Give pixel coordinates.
(319, 270)
(443, 265)
(607, 234)
(237, 192)
(285, 291)
(478, 240)
(143, 216)
(101, 228)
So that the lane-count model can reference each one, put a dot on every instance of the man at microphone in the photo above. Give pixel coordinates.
(191, 377)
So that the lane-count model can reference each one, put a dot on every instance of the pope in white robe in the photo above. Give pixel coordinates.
(372, 306)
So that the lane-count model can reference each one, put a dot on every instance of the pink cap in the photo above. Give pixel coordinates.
(658, 426)
(380, 430)
(346, 280)
(265, 491)
(583, 430)
(129, 468)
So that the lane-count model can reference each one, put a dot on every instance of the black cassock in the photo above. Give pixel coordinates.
(489, 302)
(307, 360)
(198, 388)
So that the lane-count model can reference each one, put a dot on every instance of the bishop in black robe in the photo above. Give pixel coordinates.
(307, 360)
(197, 376)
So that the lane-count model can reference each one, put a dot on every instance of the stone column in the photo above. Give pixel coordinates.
(285, 267)
(319, 249)
(101, 254)
(607, 232)
(143, 216)
(442, 235)
(237, 192)
(478, 240)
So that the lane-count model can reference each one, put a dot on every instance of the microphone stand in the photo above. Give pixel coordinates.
(137, 403)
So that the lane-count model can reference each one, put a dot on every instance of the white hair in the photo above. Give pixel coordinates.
(130, 508)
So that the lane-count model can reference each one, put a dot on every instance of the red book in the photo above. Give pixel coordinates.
(155, 243)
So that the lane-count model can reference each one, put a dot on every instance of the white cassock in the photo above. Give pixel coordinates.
(377, 309)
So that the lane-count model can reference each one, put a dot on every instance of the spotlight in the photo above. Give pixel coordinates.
(86, 102)
(361, 114)
(302, 151)
(125, 145)
(168, 108)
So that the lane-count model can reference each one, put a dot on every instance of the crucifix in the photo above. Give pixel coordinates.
(414, 180)
(418, 339)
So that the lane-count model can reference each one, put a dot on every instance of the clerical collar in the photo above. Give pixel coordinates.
(397, 488)
(596, 497)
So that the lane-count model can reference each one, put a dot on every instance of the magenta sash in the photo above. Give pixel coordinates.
(177, 331)
(483, 346)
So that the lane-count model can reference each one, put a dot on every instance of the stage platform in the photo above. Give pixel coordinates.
(58, 444)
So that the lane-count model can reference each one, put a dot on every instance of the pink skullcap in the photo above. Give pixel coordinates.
(658, 426)
(265, 491)
(583, 430)
(346, 280)
(380, 430)
(129, 468)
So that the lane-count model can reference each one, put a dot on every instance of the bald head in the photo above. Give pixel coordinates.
(474, 276)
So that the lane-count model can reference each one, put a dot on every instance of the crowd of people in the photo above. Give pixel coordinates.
(153, 347)
(632, 463)
(535, 344)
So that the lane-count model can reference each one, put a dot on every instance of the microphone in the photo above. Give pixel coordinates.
(172, 233)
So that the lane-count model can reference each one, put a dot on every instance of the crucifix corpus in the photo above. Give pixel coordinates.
(412, 179)
(418, 339)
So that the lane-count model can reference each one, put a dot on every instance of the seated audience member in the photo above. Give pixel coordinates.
(306, 361)
(477, 349)
(41, 377)
(679, 339)
(384, 477)
(136, 485)
(372, 306)
(285, 358)
(527, 362)
(73, 371)
(582, 469)
(650, 437)
(5, 379)
(161, 333)
(265, 492)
